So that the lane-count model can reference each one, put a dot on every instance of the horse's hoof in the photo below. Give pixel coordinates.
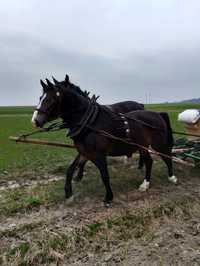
(107, 204)
(68, 194)
(144, 186)
(173, 179)
(70, 199)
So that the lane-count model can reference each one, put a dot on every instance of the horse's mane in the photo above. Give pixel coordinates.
(79, 91)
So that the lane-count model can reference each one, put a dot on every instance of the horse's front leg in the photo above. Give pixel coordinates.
(101, 164)
(81, 166)
(69, 175)
(141, 163)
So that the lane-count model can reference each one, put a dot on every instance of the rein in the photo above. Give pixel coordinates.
(108, 135)
(88, 119)
(56, 126)
(60, 125)
(90, 115)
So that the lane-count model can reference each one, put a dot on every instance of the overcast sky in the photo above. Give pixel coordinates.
(119, 49)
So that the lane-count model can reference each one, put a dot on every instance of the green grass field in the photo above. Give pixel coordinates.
(38, 226)
(16, 110)
(171, 107)
(16, 121)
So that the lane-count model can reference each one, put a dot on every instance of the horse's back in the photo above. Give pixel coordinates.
(146, 117)
(126, 106)
(152, 126)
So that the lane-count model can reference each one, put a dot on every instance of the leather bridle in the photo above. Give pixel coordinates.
(48, 110)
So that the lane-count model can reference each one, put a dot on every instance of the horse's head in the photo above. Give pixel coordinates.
(48, 108)
(58, 100)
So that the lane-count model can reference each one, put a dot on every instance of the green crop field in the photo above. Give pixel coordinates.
(16, 121)
(172, 107)
(16, 110)
(28, 156)
(38, 226)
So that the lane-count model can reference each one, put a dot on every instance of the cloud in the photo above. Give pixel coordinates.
(118, 49)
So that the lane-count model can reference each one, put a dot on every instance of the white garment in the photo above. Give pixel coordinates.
(190, 116)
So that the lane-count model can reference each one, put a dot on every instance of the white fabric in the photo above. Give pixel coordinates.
(190, 116)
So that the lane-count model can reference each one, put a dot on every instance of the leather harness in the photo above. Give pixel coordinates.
(89, 118)
(126, 126)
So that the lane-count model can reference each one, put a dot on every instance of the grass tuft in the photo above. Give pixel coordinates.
(32, 202)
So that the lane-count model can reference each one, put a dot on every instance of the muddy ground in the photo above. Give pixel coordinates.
(158, 227)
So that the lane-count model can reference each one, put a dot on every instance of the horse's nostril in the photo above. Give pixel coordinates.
(37, 123)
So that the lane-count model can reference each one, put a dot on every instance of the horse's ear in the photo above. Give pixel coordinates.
(50, 84)
(44, 86)
(55, 81)
(66, 79)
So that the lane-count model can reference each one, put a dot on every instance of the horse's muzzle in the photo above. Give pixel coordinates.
(35, 123)
(37, 120)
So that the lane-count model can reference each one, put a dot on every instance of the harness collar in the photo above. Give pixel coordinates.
(87, 120)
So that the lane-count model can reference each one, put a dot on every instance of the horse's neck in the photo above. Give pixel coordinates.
(76, 112)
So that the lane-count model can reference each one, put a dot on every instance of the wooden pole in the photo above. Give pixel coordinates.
(42, 142)
(63, 145)
(177, 160)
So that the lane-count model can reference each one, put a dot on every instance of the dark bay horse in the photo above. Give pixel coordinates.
(88, 124)
(121, 107)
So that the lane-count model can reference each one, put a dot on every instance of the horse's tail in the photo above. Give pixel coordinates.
(170, 138)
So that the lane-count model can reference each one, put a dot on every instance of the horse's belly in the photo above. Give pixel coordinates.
(122, 149)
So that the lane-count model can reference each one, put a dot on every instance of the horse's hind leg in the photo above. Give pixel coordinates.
(168, 161)
(101, 164)
(147, 160)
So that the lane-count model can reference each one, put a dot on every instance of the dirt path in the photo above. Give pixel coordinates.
(10, 185)
(158, 227)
